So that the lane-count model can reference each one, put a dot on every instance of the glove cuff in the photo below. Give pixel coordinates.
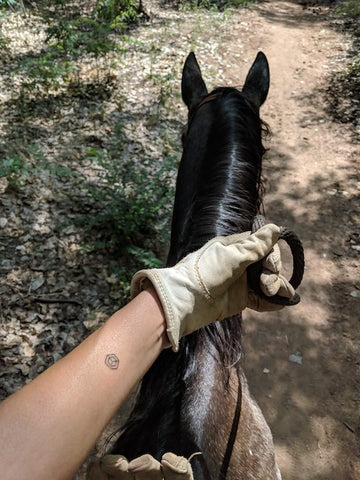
(147, 278)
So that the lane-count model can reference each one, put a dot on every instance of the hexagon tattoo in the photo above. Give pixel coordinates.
(112, 361)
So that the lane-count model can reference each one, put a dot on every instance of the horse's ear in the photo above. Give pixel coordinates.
(258, 80)
(193, 87)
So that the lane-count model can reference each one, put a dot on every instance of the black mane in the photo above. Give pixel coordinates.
(223, 194)
(229, 189)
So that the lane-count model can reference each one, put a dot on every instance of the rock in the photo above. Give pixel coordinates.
(296, 358)
(28, 351)
(37, 283)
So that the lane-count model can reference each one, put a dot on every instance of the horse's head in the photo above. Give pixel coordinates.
(217, 191)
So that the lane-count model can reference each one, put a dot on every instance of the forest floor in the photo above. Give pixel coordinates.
(312, 184)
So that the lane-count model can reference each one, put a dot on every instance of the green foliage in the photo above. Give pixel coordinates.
(131, 202)
(73, 38)
(19, 168)
(12, 168)
(46, 72)
(145, 258)
(80, 36)
(214, 5)
(128, 205)
(117, 13)
(350, 7)
(130, 209)
(8, 3)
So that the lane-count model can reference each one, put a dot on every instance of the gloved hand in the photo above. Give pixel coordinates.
(211, 283)
(271, 280)
(146, 467)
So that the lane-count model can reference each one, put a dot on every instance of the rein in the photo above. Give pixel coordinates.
(232, 436)
(204, 101)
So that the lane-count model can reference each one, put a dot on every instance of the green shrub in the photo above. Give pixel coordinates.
(8, 3)
(73, 38)
(18, 169)
(80, 36)
(350, 7)
(12, 168)
(130, 202)
(214, 4)
(47, 71)
(117, 13)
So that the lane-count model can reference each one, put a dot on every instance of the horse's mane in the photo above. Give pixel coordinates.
(229, 191)
(227, 197)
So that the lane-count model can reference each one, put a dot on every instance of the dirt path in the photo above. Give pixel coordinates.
(312, 170)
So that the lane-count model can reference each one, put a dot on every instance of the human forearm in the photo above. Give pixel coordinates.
(65, 409)
(48, 428)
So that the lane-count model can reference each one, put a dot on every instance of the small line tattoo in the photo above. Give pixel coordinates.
(112, 361)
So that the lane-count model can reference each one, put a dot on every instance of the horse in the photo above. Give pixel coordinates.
(198, 400)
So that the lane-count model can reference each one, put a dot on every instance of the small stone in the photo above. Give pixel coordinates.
(28, 351)
(21, 249)
(354, 294)
(3, 222)
(37, 283)
(25, 370)
(3, 185)
(12, 340)
(266, 370)
(296, 358)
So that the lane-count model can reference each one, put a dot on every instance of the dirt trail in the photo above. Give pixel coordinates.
(312, 173)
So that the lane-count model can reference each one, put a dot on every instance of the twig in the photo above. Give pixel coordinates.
(57, 300)
(349, 427)
(23, 7)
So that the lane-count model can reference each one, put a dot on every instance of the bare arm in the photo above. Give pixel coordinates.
(48, 428)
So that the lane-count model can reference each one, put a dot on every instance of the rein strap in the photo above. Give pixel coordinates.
(232, 437)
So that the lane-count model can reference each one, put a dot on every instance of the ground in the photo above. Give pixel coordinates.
(312, 182)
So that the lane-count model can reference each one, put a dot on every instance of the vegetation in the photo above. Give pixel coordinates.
(73, 35)
(350, 7)
(344, 87)
(214, 4)
(130, 203)
(125, 210)
(121, 206)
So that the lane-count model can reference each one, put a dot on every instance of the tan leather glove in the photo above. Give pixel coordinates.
(172, 467)
(211, 284)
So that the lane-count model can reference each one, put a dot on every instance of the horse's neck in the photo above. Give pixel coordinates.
(207, 410)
